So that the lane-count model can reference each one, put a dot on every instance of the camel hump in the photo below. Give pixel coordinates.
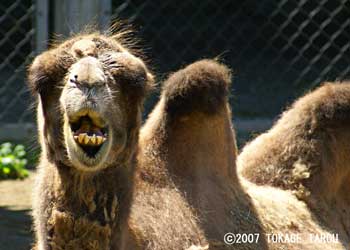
(202, 86)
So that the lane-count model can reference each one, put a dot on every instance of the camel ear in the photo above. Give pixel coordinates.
(41, 73)
(47, 70)
(150, 82)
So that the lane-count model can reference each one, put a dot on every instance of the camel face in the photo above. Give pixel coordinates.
(90, 99)
(94, 121)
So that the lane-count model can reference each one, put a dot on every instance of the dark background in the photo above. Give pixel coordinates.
(277, 50)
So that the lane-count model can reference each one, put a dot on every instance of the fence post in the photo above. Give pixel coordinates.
(72, 16)
(105, 14)
(42, 25)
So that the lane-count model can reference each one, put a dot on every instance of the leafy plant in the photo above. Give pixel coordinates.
(13, 161)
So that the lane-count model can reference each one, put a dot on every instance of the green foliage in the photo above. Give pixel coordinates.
(12, 161)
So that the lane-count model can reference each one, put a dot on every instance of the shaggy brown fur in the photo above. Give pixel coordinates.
(187, 193)
(307, 152)
(81, 202)
(186, 180)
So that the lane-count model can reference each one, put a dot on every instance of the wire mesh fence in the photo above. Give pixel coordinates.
(16, 51)
(277, 49)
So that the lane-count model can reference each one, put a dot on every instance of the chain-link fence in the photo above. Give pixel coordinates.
(277, 49)
(16, 50)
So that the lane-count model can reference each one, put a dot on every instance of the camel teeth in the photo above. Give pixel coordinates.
(99, 140)
(81, 138)
(93, 139)
(86, 139)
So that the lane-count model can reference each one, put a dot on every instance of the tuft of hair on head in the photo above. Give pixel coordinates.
(88, 29)
(124, 33)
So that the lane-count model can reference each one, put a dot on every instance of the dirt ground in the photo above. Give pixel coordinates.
(15, 218)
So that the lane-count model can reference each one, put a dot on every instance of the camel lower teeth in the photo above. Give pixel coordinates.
(93, 139)
(85, 139)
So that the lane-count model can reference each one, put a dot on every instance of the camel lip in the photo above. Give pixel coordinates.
(89, 125)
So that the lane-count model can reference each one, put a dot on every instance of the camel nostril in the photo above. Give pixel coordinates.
(74, 79)
(78, 52)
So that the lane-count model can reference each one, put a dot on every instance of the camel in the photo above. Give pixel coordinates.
(104, 183)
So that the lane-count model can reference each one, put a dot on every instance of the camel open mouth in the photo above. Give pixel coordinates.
(89, 136)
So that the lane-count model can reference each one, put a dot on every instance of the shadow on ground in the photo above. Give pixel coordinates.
(15, 229)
